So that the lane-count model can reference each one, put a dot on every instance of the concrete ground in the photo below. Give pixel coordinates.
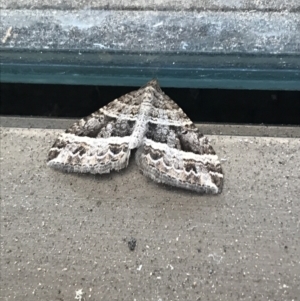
(67, 236)
(121, 236)
(225, 5)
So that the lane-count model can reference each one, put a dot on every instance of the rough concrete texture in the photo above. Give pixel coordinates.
(152, 31)
(68, 235)
(263, 5)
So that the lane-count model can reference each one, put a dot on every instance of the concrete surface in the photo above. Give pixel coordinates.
(153, 31)
(225, 5)
(65, 236)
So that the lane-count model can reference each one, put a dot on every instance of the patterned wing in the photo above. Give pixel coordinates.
(100, 142)
(174, 152)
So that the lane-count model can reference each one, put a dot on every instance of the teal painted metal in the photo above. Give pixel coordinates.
(234, 71)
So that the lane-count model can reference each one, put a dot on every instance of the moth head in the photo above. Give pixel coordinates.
(154, 84)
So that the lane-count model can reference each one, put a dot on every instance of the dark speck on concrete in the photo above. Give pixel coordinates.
(132, 244)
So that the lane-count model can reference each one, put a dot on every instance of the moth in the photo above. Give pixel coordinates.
(170, 148)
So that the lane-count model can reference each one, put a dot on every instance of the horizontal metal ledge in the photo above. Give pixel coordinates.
(232, 50)
(222, 78)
